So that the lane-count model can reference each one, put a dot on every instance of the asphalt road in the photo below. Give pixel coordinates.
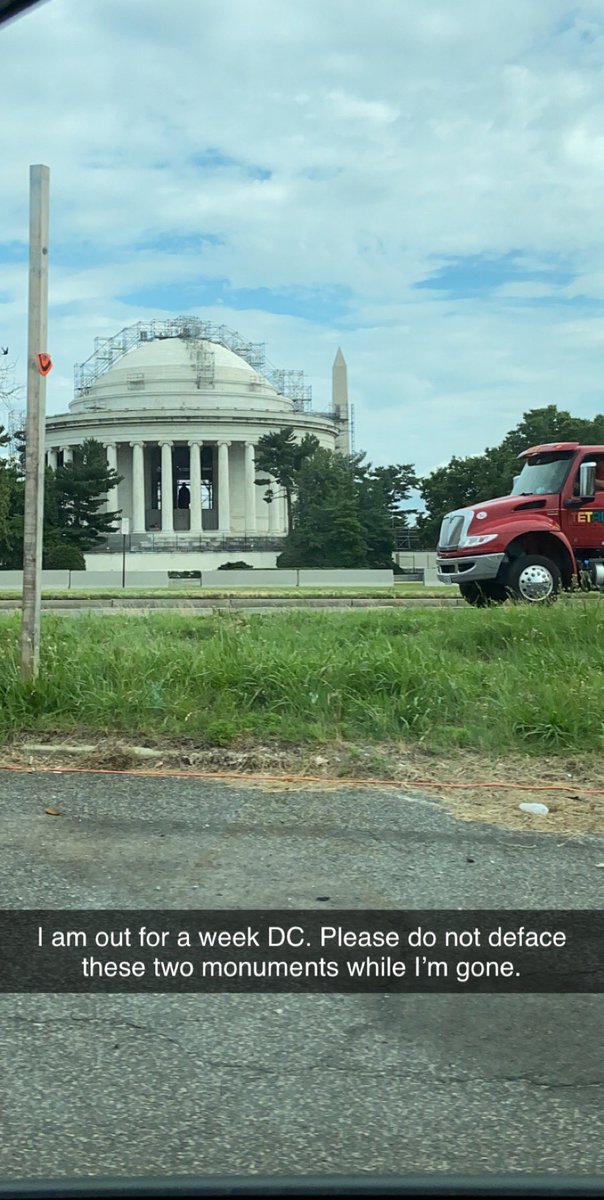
(140, 1085)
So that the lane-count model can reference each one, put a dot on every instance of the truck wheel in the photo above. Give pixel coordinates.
(533, 579)
(480, 595)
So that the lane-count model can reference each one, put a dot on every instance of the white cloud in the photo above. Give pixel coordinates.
(528, 290)
(352, 108)
(396, 135)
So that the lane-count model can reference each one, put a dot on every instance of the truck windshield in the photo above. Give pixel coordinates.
(543, 474)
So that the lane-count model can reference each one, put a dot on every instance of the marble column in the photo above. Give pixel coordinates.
(195, 486)
(167, 498)
(52, 459)
(250, 488)
(138, 487)
(224, 486)
(112, 494)
(67, 454)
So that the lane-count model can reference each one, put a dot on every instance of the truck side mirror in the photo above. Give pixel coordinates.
(587, 480)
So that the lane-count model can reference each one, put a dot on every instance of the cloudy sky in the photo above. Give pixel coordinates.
(420, 183)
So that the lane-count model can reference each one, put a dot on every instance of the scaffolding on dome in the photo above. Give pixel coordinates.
(195, 332)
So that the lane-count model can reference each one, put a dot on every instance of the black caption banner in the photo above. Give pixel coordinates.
(301, 951)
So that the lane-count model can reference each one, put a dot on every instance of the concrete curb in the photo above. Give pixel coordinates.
(234, 604)
(142, 752)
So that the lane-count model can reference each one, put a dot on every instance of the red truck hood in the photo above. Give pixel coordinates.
(504, 506)
(496, 519)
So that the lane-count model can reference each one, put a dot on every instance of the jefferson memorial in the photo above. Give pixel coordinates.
(180, 405)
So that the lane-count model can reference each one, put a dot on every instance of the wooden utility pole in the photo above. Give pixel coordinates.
(38, 365)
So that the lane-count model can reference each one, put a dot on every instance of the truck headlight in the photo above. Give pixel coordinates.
(479, 540)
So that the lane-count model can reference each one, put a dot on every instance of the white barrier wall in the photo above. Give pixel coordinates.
(81, 580)
(431, 578)
(11, 581)
(333, 578)
(175, 561)
(218, 580)
(416, 560)
(148, 579)
(95, 579)
(249, 579)
(55, 579)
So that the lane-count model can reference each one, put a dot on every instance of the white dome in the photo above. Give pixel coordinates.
(162, 353)
(174, 373)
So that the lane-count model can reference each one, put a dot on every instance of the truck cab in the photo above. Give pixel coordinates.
(547, 535)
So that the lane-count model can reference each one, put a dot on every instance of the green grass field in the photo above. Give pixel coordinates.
(409, 591)
(191, 592)
(497, 680)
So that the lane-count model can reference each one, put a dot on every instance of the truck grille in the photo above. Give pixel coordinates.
(450, 532)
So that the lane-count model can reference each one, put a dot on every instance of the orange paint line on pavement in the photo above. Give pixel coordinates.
(410, 783)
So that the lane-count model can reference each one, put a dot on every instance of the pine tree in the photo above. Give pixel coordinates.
(11, 519)
(282, 456)
(327, 530)
(73, 497)
(381, 492)
(376, 522)
(76, 495)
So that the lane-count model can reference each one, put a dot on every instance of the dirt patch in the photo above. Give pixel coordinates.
(465, 783)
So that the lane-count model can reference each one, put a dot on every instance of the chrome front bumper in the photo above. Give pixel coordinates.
(468, 567)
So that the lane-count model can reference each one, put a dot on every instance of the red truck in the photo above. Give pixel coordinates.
(547, 535)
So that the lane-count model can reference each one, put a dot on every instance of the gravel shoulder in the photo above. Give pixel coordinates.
(467, 785)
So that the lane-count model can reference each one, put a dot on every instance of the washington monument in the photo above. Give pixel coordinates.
(339, 402)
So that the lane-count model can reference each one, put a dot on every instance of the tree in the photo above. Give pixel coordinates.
(551, 424)
(376, 523)
(345, 512)
(463, 481)
(485, 476)
(76, 494)
(11, 526)
(61, 556)
(281, 456)
(381, 492)
(327, 530)
(10, 390)
(73, 497)
(10, 393)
